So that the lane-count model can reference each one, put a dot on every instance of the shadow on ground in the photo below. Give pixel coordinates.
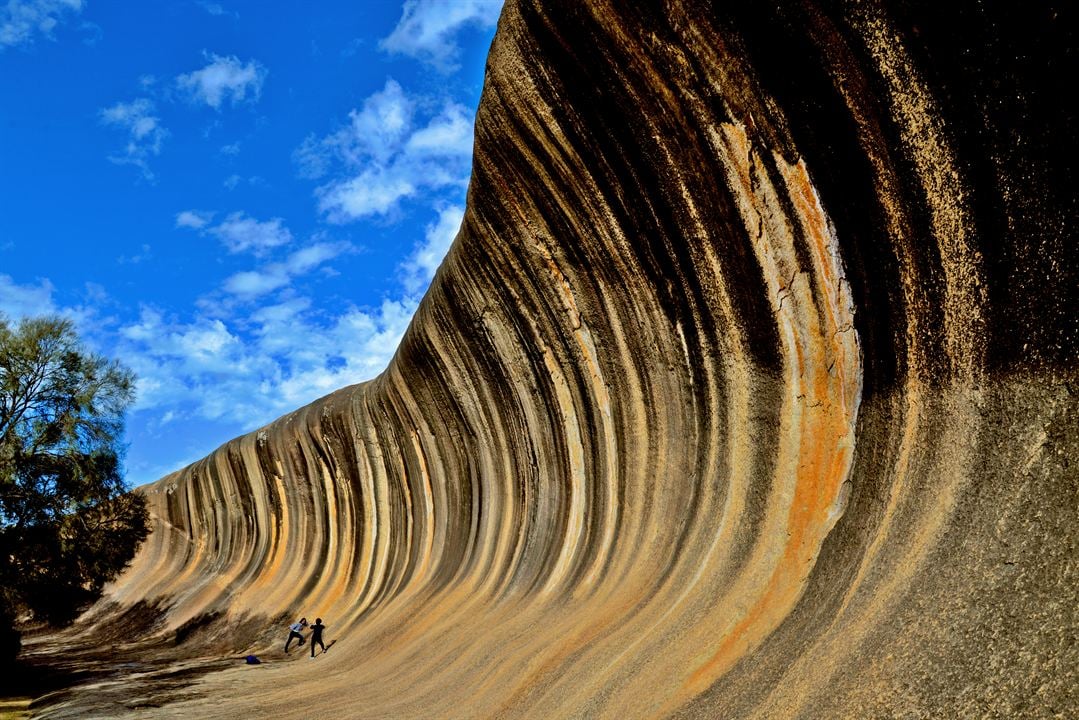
(125, 662)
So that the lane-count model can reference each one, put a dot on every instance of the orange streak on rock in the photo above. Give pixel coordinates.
(824, 376)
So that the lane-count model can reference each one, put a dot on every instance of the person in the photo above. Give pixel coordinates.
(295, 632)
(316, 636)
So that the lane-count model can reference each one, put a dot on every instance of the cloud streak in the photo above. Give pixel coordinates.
(251, 284)
(239, 233)
(145, 133)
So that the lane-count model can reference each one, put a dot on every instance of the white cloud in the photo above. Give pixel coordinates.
(251, 284)
(196, 219)
(379, 127)
(207, 342)
(18, 301)
(240, 233)
(373, 133)
(287, 356)
(375, 191)
(231, 149)
(137, 116)
(281, 313)
(355, 347)
(22, 20)
(425, 259)
(171, 358)
(142, 330)
(311, 257)
(427, 29)
(383, 156)
(224, 78)
(145, 133)
(448, 134)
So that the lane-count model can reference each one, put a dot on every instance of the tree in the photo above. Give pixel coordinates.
(68, 523)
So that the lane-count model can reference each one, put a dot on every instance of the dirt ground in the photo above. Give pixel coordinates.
(126, 664)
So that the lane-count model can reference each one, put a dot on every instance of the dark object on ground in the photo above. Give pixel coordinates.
(252, 660)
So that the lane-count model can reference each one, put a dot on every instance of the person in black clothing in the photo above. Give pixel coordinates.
(316, 636)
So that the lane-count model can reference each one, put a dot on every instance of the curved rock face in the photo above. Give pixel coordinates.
(745, 391)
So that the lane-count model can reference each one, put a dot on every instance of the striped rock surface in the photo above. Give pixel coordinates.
(746, 390)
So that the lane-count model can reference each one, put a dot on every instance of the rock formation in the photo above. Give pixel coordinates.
(747, 390)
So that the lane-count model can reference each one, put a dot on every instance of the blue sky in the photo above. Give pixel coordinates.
(242, 205)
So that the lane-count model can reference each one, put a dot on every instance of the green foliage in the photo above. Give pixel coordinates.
(67, 521)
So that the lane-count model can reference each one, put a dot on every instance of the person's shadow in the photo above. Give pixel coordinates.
(332, 643)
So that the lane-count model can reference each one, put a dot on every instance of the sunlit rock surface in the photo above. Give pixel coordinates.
(747, 390)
